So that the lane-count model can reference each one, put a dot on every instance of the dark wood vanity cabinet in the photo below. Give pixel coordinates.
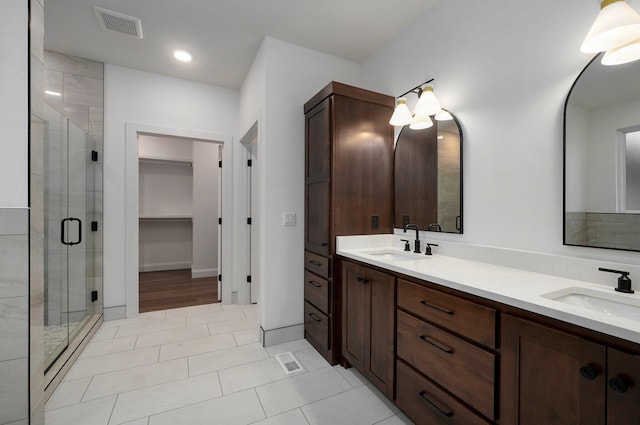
(348, 191)
(368, 324)
(623, 391)
(447, 344)
(558, 378)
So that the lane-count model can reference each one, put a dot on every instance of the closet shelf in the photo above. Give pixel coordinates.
(166, 217)
(165, 160)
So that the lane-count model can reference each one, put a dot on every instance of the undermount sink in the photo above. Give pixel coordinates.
(611, 303)
(393, 255)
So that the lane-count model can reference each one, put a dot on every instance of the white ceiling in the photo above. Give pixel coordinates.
(224, 35)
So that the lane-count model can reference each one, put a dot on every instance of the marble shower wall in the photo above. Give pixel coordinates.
(35, 240)
(620, 231)
(14, 315)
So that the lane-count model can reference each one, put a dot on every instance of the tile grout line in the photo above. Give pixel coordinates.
(264, 412)
(113, 408)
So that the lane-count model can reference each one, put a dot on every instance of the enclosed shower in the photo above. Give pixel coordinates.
(73, 235)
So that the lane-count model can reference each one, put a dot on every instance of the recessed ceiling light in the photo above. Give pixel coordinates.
(182, 55)
(52, 93)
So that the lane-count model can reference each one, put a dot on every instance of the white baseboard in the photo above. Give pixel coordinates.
(114, 313)
(158, 267)
(281, 335)
(198, 273)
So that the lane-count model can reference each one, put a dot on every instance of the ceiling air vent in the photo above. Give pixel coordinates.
(119, 22)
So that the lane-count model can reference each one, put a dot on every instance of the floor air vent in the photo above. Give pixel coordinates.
(119, 22)
(289, 363)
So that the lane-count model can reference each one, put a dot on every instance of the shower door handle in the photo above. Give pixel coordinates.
(63, 227)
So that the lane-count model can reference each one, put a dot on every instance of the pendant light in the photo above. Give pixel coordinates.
(616, 25)
(401, 115)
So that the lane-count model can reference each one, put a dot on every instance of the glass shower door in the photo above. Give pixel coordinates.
(70, 243)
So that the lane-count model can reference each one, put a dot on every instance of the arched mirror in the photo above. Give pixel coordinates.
(602, 158)
(428, 177)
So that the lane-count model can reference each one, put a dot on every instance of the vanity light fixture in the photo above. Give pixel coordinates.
(615, 31)
(426, 107)
(401, 115)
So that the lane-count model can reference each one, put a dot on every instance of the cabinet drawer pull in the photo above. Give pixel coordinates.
(438, 308)
(363, 280)
(315, 263)
(435, 403)
(618, 385)
(588, 372)
(315, 317)
(314, 283)
(436, 344)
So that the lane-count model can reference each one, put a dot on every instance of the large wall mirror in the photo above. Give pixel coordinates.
(602, 158)
(428, 177)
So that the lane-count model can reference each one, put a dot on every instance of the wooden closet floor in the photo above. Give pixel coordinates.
(175, 288)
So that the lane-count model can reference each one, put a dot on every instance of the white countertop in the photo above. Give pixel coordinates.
(511, 286)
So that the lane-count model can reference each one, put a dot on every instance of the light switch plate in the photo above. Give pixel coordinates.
(288, 219)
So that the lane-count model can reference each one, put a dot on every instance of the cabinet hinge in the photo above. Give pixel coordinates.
(249, 221)
(94, 156)
(94, 226)
(219, 164)
(249, 279)
(249, 163)
(219, 278)
(94, 296)
(219, 220)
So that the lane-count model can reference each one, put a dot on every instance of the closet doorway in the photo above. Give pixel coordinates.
(179, 203)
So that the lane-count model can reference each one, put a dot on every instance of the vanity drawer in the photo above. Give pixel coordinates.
(467, 318)
(317, 264)
(317, 326)
(467, 371)
(425, 404)
(316, 291)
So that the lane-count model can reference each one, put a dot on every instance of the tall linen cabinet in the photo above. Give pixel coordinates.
(349, 191)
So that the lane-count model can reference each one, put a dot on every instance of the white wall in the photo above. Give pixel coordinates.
(603, 141)
(293, 75)
(205, 209)
(14, 117)
(577, 164)
(149, 101)
(504, 68)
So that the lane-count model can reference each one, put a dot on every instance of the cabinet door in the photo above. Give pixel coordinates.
(317, 178)
(369, 324)
(381, 316)
(362, 167)
(550, 377)
(623, 393)
(354, 310)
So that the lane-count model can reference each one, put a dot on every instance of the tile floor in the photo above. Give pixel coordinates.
(203, 365)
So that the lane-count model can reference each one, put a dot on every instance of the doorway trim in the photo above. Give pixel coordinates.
(132, 130)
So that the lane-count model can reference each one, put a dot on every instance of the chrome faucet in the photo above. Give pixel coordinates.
(417, 242)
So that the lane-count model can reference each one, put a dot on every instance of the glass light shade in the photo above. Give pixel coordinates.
(401, 115)
(616, 24)
(625, 54)
(427, 104)
(420, 122)
(443, 116)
